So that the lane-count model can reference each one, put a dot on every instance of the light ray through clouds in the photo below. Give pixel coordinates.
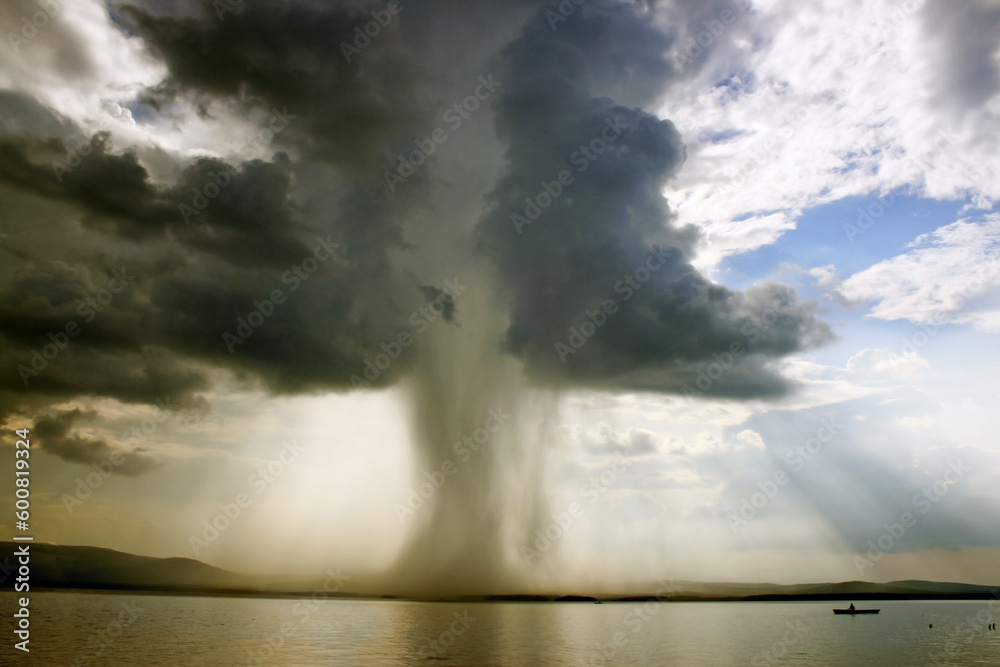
(674, 241)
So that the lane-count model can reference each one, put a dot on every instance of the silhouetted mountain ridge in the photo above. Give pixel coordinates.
(57, 566)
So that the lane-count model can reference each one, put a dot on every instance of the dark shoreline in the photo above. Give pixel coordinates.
(98, 570)
(296, 595)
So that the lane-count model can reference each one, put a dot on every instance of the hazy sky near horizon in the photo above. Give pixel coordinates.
(727, 274)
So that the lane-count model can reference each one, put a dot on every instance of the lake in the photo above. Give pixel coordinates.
(71, 628)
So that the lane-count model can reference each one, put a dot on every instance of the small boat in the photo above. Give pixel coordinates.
(856, 611)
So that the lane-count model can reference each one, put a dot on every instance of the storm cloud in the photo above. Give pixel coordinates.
(145, 270)
(602, 288)
(53, 434)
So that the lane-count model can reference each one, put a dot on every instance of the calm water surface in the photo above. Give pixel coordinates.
(127, 629)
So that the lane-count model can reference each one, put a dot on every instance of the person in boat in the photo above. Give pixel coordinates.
(851, 607)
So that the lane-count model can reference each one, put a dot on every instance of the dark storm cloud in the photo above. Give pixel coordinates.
(247, 221)
(600, 248)
(108, 185)
(209, 251)
(178, 305)
(144, 342)
(140, 345)
(211, 244)
(64, 333)
(289, 56)
(53, 433)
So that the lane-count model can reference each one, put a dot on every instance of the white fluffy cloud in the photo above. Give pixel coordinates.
(856, 110)
(951, 276)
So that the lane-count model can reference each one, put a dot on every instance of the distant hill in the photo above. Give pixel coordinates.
(54, 566)
(854, 590)
(61, 567)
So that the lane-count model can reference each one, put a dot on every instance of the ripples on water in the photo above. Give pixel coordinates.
(129, 629)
